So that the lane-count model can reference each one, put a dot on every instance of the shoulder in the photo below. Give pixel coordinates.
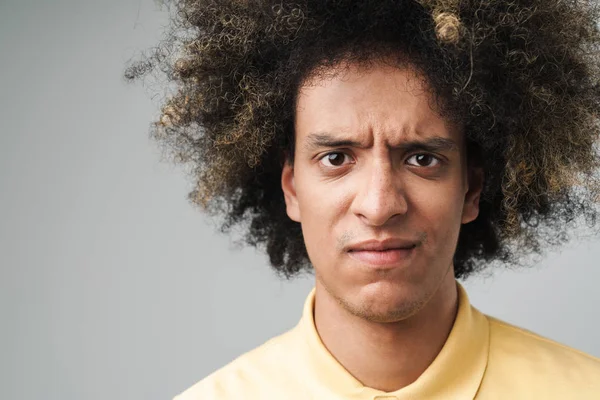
(531, 346)
(526, 361)
(249, 376)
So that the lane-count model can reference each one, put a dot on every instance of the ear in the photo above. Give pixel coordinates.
(289, 191)
(475, 177)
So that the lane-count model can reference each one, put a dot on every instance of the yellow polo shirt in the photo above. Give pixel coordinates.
(483, 358)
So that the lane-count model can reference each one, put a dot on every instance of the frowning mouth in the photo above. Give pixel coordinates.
(388, 253)
(382, 258)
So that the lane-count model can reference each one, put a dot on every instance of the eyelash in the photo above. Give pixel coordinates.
(439, 160)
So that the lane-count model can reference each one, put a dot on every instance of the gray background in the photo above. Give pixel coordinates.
(112, 286)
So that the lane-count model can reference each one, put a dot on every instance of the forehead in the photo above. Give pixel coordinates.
(375, 102)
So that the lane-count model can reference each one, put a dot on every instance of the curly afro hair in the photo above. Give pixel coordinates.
(520, 76)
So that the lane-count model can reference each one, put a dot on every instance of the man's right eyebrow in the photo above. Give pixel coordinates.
(323, 139)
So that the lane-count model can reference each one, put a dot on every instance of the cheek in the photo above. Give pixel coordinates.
(437, 209)
(322, 206)
(321, 200)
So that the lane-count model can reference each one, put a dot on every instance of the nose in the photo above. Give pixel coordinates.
(380, 195)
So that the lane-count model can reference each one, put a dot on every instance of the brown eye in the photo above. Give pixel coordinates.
(424, 160)
(335, 159)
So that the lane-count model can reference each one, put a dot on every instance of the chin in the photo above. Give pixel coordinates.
(387, 302)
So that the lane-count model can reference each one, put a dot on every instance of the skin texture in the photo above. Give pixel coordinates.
(371, 187)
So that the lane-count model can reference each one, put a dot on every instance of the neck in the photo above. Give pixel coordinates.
(386, 356)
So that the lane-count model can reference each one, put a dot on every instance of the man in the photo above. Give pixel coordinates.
(391, 147)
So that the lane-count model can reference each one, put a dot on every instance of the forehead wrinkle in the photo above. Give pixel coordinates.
(401, 123)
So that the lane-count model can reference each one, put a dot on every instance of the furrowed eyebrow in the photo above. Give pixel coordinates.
(434, 144)
(317, 140)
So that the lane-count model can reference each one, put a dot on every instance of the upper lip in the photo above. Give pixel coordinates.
(381, 245)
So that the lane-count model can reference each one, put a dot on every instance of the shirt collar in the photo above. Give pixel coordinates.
(455, 373)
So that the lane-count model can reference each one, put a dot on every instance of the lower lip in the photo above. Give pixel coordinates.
(389, 258)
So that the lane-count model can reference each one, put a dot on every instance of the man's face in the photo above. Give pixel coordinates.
(380, 186)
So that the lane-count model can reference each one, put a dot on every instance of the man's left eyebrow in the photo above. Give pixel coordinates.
(435, 144)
